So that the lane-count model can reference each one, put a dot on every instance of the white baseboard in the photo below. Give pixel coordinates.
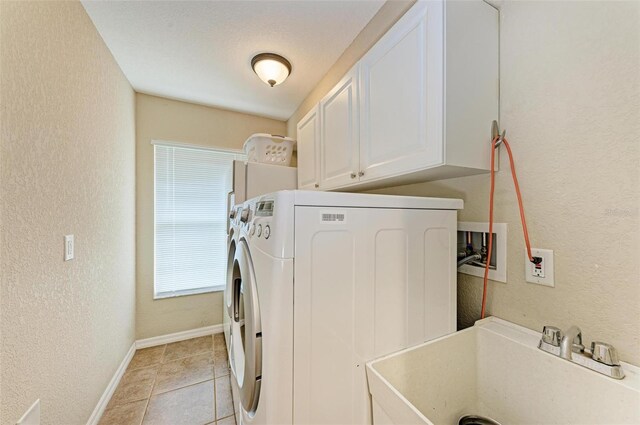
(178, 336)
(113, 384)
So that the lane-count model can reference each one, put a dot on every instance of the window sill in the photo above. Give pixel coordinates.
(199, 291)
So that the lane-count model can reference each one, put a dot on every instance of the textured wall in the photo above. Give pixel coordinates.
(570, 100)
(388, 14)
(67, 146)
(163, 119)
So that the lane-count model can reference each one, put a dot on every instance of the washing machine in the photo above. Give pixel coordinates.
(321, 283)
(233, 232)
(255, 310)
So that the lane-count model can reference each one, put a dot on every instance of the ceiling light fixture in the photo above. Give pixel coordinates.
(271, 68)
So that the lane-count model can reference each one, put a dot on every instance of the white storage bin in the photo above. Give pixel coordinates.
(269, 149)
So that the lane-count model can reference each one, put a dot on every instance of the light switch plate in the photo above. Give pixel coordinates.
(69, 249)
(544, 275)
(31, 416)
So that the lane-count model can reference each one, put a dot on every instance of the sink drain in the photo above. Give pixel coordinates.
(476, 420)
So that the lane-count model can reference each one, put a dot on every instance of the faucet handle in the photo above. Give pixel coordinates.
(604, 353)
(552, 335)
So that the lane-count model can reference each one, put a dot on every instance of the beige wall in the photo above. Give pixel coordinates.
(388, 14)
(163, 119)
(570, 92)
(67, 146)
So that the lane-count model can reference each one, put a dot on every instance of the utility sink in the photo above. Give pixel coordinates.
(495, 369)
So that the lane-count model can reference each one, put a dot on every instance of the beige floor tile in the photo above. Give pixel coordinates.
(219, 343)
(183, 372)
(220, 357)
(224, 402)
(147, 357)
(135, 385)
(221, 363)
(125, 414)
(189, 347)
(191, 405)
(231, 420)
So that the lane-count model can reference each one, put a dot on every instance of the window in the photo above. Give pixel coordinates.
(190, 220)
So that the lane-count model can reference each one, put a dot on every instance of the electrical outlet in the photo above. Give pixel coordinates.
(538, 268)
(69, 249)
(540, 273)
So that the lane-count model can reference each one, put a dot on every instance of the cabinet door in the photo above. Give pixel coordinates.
(308, 137)
(339, 144)
(401, 92)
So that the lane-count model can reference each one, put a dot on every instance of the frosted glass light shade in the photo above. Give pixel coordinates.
(271, 68)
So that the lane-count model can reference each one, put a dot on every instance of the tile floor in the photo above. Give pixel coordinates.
(183, 383)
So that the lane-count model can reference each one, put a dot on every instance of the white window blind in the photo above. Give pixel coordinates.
(191, 187)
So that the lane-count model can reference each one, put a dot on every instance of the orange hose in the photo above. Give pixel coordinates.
(515, 183)
(522, 217)
(490, 247)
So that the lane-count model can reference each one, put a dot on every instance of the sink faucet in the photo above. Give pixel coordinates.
(602, 358)
(571, 342)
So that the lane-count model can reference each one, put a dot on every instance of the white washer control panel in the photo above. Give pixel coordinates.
(264, 209)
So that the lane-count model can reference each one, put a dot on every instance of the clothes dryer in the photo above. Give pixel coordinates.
(321, 283)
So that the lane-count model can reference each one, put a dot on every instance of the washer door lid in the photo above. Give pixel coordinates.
(247, 330)
(228, 290)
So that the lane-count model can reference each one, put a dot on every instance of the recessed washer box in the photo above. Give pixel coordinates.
(499, 254)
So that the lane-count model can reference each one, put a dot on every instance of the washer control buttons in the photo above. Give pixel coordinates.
(259, 230)
(267, 231)
(253, 230)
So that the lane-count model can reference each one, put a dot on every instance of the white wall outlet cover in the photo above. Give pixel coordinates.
(31, 416)
(69, 249)
(543, 274)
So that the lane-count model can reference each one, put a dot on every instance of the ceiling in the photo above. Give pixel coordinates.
(200, 51)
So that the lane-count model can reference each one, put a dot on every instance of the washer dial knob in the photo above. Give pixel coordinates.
(244, 216)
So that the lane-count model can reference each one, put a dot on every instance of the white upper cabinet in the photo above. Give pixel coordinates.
(418, 106)
(339, 140)
(308, 130)
(401, 91)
